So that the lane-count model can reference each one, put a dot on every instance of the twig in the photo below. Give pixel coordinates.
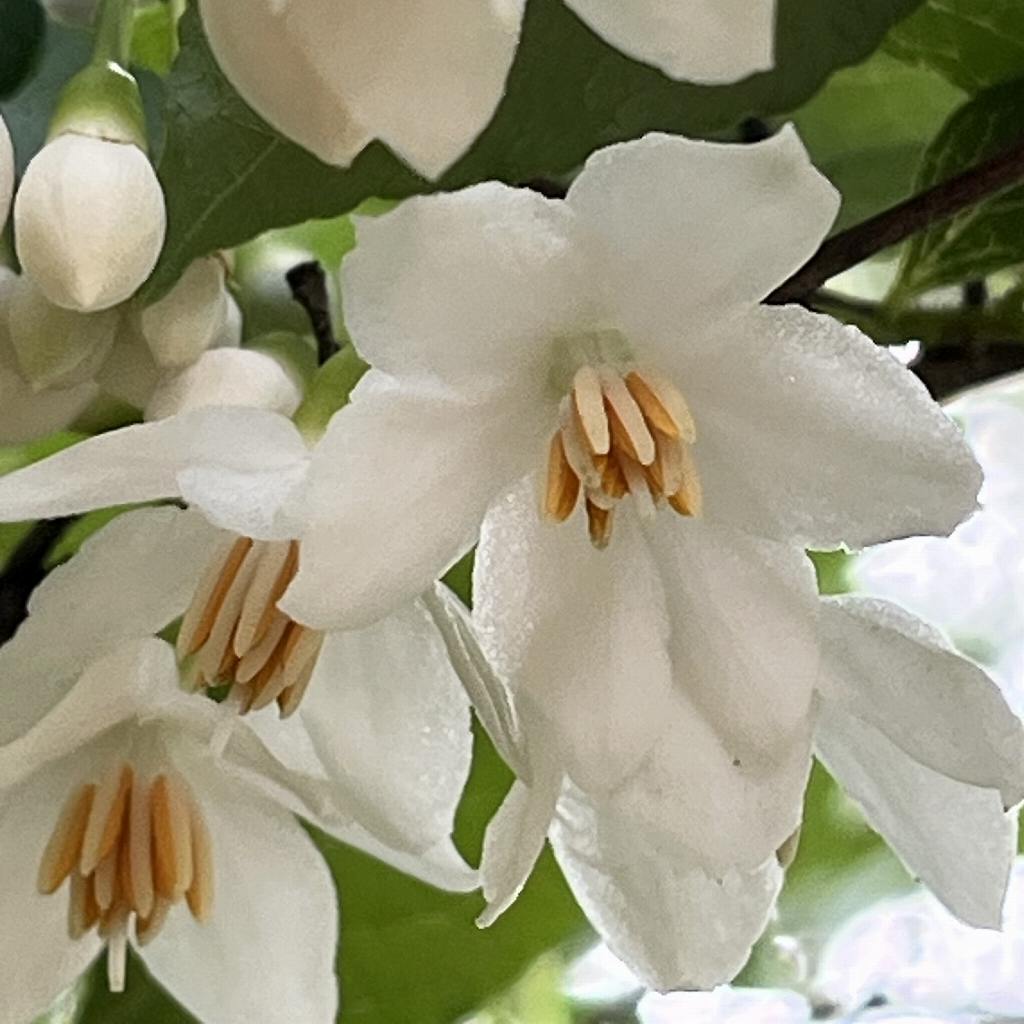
(898, 223)
(24, 571)
(309, 289)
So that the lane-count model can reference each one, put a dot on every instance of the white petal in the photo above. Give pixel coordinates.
(26, 415)
(390, 723)
(267, 952)
(954, 837)
(809, 431)
(655, 907)
(514, 840)
(127, 582)
(693, 651)
(182, 325)
(6, 172)
(397, 489)
(579, 634)
(896, 673)
(37, 958)
(708, 41)
(129, 372)
(237, 465)
(227, 377)
(89, 221)
(686, 233)
(135, 679)
(726, 1006)
(314, 72)
(466, 290)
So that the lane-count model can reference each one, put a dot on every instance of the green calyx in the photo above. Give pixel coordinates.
(328, 392)
(102, 100)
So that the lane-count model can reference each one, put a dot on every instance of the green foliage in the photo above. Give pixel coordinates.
(989, 236)
(228, 176)
(21, 39)
(974, 43)
(868, 127)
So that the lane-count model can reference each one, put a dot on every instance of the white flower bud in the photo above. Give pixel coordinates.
(55, 347)
(190, 318)
(89, 221)
(6, 172)
(230, 335)
(227, 376)
(129, 373)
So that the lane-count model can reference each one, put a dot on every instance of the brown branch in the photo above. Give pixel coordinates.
(898, 223)
(309, 289)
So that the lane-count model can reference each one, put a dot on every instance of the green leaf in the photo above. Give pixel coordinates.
(228, 176)
(408, 952)
(24, 25)
(974, 43)
(987, 237)
(868, 128)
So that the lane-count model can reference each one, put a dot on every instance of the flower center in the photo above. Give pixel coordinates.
(621, 434)
(130, 846)
(236, 635)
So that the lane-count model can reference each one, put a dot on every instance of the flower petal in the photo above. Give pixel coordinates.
(579, 635)
(315, 73)
(237, 465)
(708, 41)
(397, 489)
(808, 431)
(954, 837)
(675, 925)
(390, 723)
(727, 1005)
(6, 172)
(267, 951)
(127, 582)
(897, 674)
(38, 960)
(26, 414)
(688, 652)
(464, 290)
(687, 233)
(514, 840)
(135, 679)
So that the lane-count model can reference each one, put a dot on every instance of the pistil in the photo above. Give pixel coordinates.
(235, 634)
(132, 848)
(621, 434)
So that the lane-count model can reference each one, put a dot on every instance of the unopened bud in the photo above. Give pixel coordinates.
(190, 318)
(6, 172)
(129, 373)
(227, 376)
(230, 335)
(79, 13)
(55, 347)
(89, 221)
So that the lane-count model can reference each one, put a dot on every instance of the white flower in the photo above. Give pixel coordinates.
(507, 331)
(380, 712)
(313, 70)
(917, 735)
(170, 834)
(55, 347)
(191, 318)
(226, 376)
(89, 221)
(26, 414)
(725, 1006)
(6, 172)
(709, 41)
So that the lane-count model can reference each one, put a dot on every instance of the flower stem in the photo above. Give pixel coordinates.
(113, 40)
(898, 223)
(309, 289)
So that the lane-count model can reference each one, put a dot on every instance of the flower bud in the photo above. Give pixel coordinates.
(192, 317)
(227, 376)
(55, 347)
(230, 334)
(79, 13)
(129, 373)
(6, 172)
(89, 221)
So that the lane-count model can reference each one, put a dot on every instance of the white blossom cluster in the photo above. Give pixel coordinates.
(591, 393)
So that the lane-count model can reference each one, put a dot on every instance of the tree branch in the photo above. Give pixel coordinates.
(898, 223)
(24, 571)
(309, 289)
